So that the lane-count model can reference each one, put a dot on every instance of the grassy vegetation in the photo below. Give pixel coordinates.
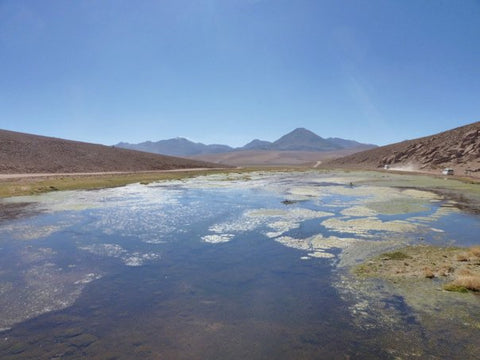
(467, 279)
(464, 283)
(38, 185)
(395, 255)
(457, 268)
(455, 288)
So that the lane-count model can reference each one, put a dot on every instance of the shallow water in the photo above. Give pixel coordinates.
(218, 267)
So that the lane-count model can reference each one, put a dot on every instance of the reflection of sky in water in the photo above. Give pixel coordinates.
(127, 222)
(132, 222)
(89, 233)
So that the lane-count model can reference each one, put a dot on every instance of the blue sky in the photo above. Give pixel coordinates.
(228, 71)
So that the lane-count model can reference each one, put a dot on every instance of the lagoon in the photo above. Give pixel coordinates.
(233, 266)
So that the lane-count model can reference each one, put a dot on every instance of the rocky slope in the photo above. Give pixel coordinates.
(26, 153)
(458, 149)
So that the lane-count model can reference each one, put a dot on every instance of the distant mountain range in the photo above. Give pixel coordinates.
(298, 140)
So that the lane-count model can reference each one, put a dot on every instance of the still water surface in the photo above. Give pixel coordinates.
(225, 267)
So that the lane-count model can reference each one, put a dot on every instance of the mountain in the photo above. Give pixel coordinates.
(350, 144)
(26, 153)
(298, 140)
(458, 148)
(257, 145)
(303, 140)
(176, 147)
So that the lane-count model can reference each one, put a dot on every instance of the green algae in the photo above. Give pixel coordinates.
(318, 246)
(455, 288)
(359, 211)
(397, 206)
(396, 255)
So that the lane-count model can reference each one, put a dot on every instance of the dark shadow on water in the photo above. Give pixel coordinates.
(251, 298)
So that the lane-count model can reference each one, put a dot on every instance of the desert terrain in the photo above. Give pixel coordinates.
(273, 158)
(25, 153)
(458, 149)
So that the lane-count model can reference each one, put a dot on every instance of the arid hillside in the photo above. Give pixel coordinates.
(25, 153)
(273, 158)
(458, 149)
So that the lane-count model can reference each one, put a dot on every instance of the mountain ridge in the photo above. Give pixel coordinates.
(300, 139)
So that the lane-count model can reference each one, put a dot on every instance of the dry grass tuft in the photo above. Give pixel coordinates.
(462, 257)
(428, 273)
(464, 272)
(470, 254)
(471, 282)
(475, 251)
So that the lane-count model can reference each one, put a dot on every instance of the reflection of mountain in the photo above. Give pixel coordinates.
(458, 148)
(25, 153)
(298, 140)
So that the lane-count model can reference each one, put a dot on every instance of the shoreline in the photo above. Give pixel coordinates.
(52, 175)
(12, 185)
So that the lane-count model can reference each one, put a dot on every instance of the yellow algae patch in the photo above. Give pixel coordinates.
(421, 194)
(278, 220)
(385, 200)
(440, 212)
(281, 227)
(365, 225)
(358, 211)
(321, 254)
(305, 214)
(300, 244)
(363, 191)
(306, 192)
(330, 242)
(317, 244)
(286, 219)
(397, 206)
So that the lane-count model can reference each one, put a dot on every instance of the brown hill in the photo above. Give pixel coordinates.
(273, 158)
(26, 153)
(458, 149)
